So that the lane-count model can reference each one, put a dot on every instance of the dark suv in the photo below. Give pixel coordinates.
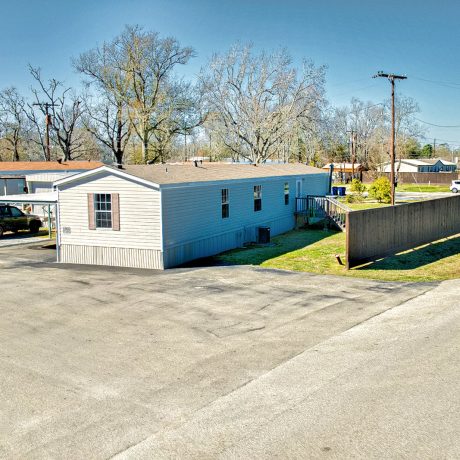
(13, 219)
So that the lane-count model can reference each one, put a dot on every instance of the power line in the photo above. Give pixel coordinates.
(433, 124)
(448, 84)
(456, 142)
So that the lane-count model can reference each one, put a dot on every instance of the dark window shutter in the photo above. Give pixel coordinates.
(91, 221)
(115, 211)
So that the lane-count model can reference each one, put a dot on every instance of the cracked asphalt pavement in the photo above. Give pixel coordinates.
(223, 362)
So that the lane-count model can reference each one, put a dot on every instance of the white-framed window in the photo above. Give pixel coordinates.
(257, 198)
(103, 210)
(286, 193)
(225, 203)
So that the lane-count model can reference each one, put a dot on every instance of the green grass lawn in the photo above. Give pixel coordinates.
(315, 250)
(44, 233)
(366, 205)
(422, 188)
(410, 187)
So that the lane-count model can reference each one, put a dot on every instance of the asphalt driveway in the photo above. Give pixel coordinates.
(420, 196)
(186, 363)
(18, 239)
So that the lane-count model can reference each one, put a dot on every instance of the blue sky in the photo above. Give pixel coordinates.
(353, 38)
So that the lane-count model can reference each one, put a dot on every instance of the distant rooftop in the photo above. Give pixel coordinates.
(208, 172)
(432, 161)
(343, 166)
(48, 165)
(422, 161)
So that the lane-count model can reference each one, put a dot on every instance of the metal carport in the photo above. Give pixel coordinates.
(44, 198)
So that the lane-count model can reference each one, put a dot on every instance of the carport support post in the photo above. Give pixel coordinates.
(49, 221)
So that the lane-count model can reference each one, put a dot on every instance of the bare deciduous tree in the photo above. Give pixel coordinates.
(36, 133)
(12, 121)
(66, 111)
(136, 68)
(260, 99)
(107, 114)
(108, 123)
(366, 120)
(178, 114)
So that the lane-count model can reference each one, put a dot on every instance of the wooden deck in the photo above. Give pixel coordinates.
(323, 207)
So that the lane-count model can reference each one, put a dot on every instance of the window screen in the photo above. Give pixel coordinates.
(257, 198)
(103, 210)
(225, 204)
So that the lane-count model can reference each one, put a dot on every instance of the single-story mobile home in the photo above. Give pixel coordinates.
(160, 216)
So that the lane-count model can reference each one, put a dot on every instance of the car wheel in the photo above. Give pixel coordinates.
(454, 190)
(1, 231)
(34, 227)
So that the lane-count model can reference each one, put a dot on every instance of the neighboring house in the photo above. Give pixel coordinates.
(440, 165)
(160, 216)
(421, 166)
(43, 182)
(344, 172)
(13, 174)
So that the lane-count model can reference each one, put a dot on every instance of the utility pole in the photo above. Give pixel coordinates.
(352, 151)
(353, 158)
(48, 122)
(392, 77)
(434, 148)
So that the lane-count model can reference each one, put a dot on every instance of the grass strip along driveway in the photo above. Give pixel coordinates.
(314, 251)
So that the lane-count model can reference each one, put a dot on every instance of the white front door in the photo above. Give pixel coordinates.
(298, 188)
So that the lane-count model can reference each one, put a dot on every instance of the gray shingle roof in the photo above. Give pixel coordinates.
(209, 172)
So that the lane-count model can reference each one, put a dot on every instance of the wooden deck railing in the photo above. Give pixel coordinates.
(323, 207)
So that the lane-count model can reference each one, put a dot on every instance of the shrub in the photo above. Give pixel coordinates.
(357, 186)
(354, 198)
(380, 189)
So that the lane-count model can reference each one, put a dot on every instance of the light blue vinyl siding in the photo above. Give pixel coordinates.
(193, 226)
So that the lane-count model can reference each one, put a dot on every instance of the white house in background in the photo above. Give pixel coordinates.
(160, 216)
(13, 174)
(43, 182)
(421, 166)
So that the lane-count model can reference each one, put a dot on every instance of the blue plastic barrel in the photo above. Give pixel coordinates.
(334, 190)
